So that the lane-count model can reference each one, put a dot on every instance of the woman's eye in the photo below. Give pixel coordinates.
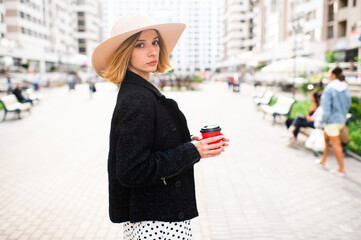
(139, 45)
(156, 42)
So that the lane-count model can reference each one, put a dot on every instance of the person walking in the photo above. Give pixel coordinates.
(151, 153)
(335, 103)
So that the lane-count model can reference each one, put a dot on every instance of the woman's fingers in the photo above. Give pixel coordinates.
(212, 139)
(214, 152)
(198, 138)
(207, 147)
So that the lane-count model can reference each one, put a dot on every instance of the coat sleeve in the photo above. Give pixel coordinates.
(136, 164)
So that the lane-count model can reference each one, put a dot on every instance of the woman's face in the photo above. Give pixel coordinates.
(144, 58)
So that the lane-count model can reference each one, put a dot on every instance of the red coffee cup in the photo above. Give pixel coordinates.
(211, 131)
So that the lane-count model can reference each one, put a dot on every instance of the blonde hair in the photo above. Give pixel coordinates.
(119, 61)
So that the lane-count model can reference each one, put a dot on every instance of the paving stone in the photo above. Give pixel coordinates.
(257, 189)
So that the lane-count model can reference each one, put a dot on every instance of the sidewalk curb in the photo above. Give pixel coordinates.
(354, 155)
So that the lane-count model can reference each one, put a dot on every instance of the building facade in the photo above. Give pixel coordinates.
(40, 36)
(281, 29)
(239, 32)
(342, 29)
(89, 30)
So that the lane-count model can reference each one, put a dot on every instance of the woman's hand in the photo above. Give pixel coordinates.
(210, 150)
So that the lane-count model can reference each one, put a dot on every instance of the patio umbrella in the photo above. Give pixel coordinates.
(302, 64)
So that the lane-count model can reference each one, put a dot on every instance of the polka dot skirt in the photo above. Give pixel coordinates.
(155, 230)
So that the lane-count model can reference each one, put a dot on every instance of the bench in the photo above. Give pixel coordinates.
(260, 92)
(32, 95)
(264, 100)
(282, 107)
(11, 104)
(306, 131)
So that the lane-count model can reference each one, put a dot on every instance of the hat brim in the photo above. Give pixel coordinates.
(170, 33)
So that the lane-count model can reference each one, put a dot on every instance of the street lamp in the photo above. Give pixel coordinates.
(297, 28)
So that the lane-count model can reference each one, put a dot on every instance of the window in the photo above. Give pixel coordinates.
(343, 3)
(81, 22)
(22, 30)
(22, 15)
(330, 32)
(342, 28)
(82, 50)
(354, 3)
(81, 40)
(80, 14)
(331, 14)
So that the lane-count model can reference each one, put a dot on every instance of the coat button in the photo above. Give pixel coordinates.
(172, 127)
(178, 184)
(181, 215)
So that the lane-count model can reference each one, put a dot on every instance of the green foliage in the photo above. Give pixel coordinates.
(196, 78)
(53, 68)
(1, 107)
(355, 109)
(25, 65)
(355, 136)
(273, 101)
(306, 87)
(326, 69)
(259, 67)
(331, 57)
(300, 108)
(356, 100)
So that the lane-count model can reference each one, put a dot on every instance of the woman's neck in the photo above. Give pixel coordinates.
(145, 75)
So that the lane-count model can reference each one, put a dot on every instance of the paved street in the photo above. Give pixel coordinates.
(53, 174)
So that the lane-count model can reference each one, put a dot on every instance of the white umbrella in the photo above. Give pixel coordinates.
(301, 64)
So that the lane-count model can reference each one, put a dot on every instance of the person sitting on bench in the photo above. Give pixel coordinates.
(305, 121)
(19, 95)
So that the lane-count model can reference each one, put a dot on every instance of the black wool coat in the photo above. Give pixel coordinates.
(151, 157)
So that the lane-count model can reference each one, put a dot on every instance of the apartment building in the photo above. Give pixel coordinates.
(199, 47)
(89, 30)
(289, 28)
(342, 28)
(39, 35)
(239, 32)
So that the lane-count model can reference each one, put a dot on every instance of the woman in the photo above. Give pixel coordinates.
(151, 155)
(306, 121)
(335, 103)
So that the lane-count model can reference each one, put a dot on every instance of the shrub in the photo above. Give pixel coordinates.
(356, 100)
(355, 109)
(196, 79)
(300, 108)
(355, 136)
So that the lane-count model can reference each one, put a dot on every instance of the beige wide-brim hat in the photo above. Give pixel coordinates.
(126, 26)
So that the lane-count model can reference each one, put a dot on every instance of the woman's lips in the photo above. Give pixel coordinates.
(152, 63)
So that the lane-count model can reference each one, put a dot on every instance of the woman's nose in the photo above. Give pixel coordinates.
(152, 50)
